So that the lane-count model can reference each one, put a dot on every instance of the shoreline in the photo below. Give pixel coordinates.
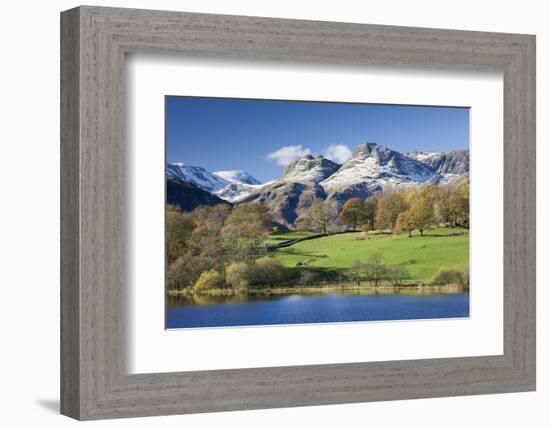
(327, 289)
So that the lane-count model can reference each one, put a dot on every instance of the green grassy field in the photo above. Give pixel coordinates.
(422, 256)
(289, 235)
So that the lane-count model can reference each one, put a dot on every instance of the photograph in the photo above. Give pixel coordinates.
(283, 212)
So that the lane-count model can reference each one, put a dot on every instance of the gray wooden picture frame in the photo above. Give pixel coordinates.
(94, 381)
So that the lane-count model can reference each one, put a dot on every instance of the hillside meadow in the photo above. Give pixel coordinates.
(422, 256)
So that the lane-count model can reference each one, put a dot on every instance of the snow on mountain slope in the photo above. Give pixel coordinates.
(374, 167)
(425, 157)
(449, 164)
(196, 175)
(237, 177)
(371, 168)
(231, 186)
(235, 193)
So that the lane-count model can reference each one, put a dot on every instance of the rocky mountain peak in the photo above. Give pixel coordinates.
(309, 168)
(372, 167)
(364, 150)
(450, 163)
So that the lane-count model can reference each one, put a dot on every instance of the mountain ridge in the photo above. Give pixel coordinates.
(371, 168)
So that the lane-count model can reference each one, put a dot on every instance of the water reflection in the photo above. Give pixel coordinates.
(360, 305)
(246, 297)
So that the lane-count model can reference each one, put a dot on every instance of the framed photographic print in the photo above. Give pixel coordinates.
(262, 213)
(331, 229)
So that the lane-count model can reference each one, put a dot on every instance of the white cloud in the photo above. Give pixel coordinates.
(286, 155)
(338, 153)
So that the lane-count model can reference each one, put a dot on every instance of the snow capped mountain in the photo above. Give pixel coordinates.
(370, 169)
(238, 177)
(309, 168)
(373, 167)
(196, 175)
(231, 186)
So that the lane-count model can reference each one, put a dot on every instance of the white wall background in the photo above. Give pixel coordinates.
(29, 224)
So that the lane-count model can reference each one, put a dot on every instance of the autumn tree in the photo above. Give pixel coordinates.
(179, 227)
(421, 214)
(460, 206)
(268, 272)
(370, 209)
(444, 202)
(238, 275)
(209, 280)
(320, 215)
(186, 270)
(404, 223)
(212, 215)
(353, 212)
(389, 208)
(245, 231)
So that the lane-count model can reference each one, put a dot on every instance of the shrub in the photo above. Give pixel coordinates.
(238, 275)
(396, 274)
(465, 272)
(309, 277)
(448, 276)
(208, 280)
(267, 272)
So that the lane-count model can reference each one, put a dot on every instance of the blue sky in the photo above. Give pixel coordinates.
(262, 136)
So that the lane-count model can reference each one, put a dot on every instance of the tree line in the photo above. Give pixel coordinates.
(400, 211)
(216, 247)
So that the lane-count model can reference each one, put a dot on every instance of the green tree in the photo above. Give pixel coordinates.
(375, 270)
(353, 212)
(356, 272)
(396, 274)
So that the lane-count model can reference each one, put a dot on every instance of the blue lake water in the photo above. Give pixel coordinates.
(324, 308)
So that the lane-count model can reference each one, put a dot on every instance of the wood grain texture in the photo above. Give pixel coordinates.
(70, 220)
(94, 382)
